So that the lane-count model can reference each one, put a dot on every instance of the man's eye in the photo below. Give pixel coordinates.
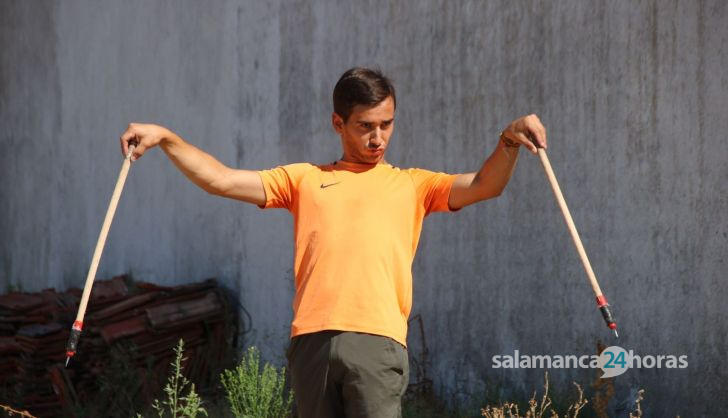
(366, 126)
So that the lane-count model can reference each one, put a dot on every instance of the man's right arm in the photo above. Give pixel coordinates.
(200, 167)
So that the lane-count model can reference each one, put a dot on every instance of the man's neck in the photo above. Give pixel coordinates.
(345, 160)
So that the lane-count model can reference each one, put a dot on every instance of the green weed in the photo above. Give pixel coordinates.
(255, 394)
(177, 405)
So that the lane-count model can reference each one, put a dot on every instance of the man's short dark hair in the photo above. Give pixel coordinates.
(361, 86)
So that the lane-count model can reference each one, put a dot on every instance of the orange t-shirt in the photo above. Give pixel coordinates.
(356, 229)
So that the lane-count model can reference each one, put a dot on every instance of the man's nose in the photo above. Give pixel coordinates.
(376, 139)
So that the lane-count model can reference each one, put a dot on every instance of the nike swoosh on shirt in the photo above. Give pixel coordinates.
(323, 186)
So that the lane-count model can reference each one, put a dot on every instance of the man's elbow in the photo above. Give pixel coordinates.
(462, 201)
(492, 193)
(488, 190)
(219, 185)
(215, 188)
(497, 192)
(214, 192)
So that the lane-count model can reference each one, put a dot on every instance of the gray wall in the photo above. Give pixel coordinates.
(634, 95)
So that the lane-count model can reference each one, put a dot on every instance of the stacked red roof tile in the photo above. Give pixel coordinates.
(141, 322)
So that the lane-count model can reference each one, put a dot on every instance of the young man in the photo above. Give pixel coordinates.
(357, 224)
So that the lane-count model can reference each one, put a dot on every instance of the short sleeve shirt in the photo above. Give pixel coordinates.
(356, 230)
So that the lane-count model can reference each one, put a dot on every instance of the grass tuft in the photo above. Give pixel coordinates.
(536, 408)
(177, 405)
(252, 393)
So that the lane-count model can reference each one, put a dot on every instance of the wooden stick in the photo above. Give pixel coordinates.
(78, 324)
(569, 221)
(602, 303)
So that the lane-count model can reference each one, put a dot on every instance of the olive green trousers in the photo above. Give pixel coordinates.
(347, 374)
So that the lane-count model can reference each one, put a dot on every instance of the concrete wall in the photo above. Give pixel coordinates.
(634, 95)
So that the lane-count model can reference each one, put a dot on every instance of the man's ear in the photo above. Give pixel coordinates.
(337, 122)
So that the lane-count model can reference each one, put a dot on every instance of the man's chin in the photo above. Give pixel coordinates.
(374, 158)
(368, 158)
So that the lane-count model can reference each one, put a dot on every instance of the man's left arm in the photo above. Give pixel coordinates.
(496, 171)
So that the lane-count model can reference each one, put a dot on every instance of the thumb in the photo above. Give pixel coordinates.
(136, 150)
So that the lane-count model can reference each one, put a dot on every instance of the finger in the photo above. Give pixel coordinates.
(542, 132)
(536, 137)
(536, 130)
(526, 141)
(126, 138)
(132, 148)
(138, 152)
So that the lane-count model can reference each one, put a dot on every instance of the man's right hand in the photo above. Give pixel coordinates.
(144, 136)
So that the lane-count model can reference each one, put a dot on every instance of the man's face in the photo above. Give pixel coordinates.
(365, 135)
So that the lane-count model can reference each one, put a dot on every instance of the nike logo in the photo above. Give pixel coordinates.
(323, 186)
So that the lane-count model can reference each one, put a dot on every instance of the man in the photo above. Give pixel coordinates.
(357, 224)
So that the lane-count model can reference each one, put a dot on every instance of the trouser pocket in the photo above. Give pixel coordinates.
(402, 363)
